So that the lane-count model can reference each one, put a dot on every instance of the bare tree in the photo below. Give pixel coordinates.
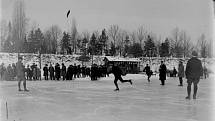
(141, 35)
(96, 33)
(52, 36)
(74, 34)
(19, 23)
(86, 35)
(4, 33)
(113, 33)
(176, 43)
(202, 44)
(121, 38)
(133, 37)
(186, 43)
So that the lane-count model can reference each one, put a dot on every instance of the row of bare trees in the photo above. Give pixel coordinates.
(110, 41)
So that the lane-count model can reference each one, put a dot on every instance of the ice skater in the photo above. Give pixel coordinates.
(193, 72)
(148, 71)
(162, 73)
(117, 72)
(180, 72)
(20, 69)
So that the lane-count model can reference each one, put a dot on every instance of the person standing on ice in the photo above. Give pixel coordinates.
(180, 72)
(162, 73)
(193, 73)
(51, 72)
(57, 71)
(148, 71)
(117, 72)
(45, 71)
(63, 71)
(20, 69)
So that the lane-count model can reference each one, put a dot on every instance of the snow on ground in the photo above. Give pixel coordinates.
(85, 100)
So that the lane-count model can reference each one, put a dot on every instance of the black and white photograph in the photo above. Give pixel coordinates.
(107, 60)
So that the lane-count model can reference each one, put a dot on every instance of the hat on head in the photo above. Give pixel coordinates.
(194, 53)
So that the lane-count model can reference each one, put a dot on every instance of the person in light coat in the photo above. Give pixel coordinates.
(20, 69)
(180, 72)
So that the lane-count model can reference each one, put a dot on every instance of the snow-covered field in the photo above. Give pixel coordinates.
(85, 100)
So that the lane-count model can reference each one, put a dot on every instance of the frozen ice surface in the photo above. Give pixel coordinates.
(85, 100)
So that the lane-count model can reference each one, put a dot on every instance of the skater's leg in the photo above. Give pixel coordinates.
(149, 77)
(24, 85)
(188, 88)
(195, 84)
(120, 78)
(115, 82)
(181, 81)
(19, 84)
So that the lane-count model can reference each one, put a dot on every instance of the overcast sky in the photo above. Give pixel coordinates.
(158, 16)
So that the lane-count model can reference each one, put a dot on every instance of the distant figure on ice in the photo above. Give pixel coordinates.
(57, 71)
(28, 72)
(46, 71)
(174, 72)
(51, 72)
(117, 72)
(21, 74)
(148, 71)
(63, 71)
(180, 72)
(38, 73)
(162, 73)
(193, 72)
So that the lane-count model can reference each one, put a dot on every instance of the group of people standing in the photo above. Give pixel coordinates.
(73, 71)
(7, 73)
(192, 72)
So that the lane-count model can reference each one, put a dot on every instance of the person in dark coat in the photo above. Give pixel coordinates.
(148, 71)
(162, 73)
(94, 71)
(69, 72)
(51, 72)
(180, 73)
(174, 72)
(20, 69)
(75, 71)
(63, 71)
(28, 72)
(117, 72)
(57, 71)
(14, 71)
(193, 73)
(45, 72)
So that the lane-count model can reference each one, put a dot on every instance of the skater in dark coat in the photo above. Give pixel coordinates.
(148, 71)
(51, 72)
(117, 72)
(63, 71)
(193, 72)
(180, 73)
(57, 71)
(162, 73)
(45, 72)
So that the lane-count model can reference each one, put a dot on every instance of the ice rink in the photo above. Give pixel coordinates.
(85, 100)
